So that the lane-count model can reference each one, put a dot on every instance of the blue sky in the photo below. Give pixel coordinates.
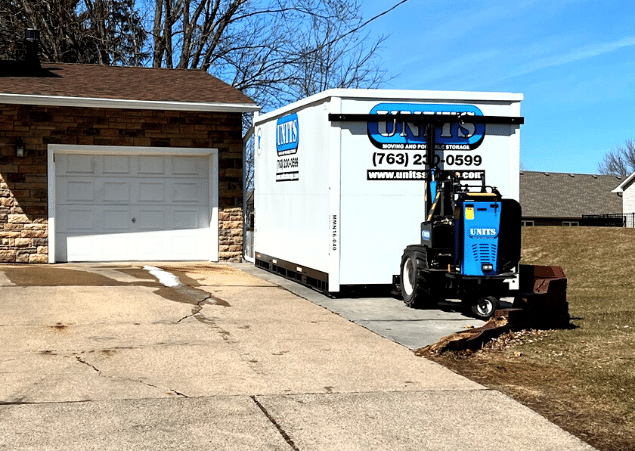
(574, 61)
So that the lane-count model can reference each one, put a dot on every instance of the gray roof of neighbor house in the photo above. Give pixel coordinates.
(120, 87)
(562, 195)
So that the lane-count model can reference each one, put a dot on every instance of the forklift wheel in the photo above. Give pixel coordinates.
(414, 289)
(485, 307)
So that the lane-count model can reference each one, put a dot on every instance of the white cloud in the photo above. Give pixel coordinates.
(575, 55)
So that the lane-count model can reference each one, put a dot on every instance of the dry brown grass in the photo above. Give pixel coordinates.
(582, 379)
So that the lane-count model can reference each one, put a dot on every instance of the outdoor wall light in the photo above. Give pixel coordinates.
(20, 149)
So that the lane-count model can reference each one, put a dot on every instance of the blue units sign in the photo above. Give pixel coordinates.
(389, 133)
(287, 139)
(287, 134)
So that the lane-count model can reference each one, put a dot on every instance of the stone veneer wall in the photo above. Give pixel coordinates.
(23, 181)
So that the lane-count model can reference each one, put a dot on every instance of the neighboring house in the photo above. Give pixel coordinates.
(627, 190)
(551, 198)
(102, 163)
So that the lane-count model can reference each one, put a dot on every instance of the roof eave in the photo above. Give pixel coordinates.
(624, 184)
(88, 102)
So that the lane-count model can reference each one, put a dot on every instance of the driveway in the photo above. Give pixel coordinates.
(109, 357)
(388, 317)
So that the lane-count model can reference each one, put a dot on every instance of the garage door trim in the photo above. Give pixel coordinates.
(211, 153)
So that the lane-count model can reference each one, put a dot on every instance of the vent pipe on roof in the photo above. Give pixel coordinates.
(32, 41)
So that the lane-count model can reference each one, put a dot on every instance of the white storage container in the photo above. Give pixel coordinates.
(336, 202)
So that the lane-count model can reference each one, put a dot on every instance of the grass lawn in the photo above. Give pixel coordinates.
(582, 379)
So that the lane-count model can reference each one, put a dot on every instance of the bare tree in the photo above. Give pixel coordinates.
(195, 28)
(86, 31)
(620, 161)
(276, 51)
(117, 34)
(11, 19)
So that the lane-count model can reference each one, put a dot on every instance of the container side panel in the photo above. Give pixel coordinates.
(292, 187)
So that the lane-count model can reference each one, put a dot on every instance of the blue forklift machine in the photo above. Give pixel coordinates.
(470, 239)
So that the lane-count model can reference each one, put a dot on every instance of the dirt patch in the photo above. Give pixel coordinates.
(582, 378)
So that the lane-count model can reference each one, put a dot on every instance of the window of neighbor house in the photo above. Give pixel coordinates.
(527, 223)
(570, 223)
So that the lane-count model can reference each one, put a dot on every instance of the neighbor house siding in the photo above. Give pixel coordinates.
(628, 199)
(23, 181)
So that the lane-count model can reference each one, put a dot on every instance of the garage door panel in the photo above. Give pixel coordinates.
(152, 245)
(113, 220)
(138, 207)
(79, 191)
(80, 247)
(150, 191)
(116, 191)
(151, 165)
(114, 246)
(189, 166)
(77, 164)
(116, 164)
(186, 243)
(151, 219)
(188, 219)
(188, 191)
(79, 219)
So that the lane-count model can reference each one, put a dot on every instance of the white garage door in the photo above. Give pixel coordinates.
(132, 207)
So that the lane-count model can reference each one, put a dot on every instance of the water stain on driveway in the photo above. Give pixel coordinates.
(54, 276)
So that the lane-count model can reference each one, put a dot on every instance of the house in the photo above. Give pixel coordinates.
(627, 190)
(551, 198)
(102, 163)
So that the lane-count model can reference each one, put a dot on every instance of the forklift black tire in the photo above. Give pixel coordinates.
(485, 307)
(413, 287)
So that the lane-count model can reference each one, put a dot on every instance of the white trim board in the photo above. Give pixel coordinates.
(94, 102)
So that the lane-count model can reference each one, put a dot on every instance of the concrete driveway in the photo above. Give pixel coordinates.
(386, 316)
(108, 357)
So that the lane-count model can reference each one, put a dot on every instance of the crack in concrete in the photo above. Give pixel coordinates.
(178, 393)
(196, 313)
(196, 309)
(273, 421)
(100, 374)
(80, 360)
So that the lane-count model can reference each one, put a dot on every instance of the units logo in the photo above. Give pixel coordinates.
(287, 134)
(287, 138)
(391, 133)
(482, 232)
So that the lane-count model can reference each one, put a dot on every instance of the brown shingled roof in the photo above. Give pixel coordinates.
(561, 195)
(124, 83)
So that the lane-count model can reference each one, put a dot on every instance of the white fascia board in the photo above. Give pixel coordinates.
(624, 184)
(394, 95)
(90, 102)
